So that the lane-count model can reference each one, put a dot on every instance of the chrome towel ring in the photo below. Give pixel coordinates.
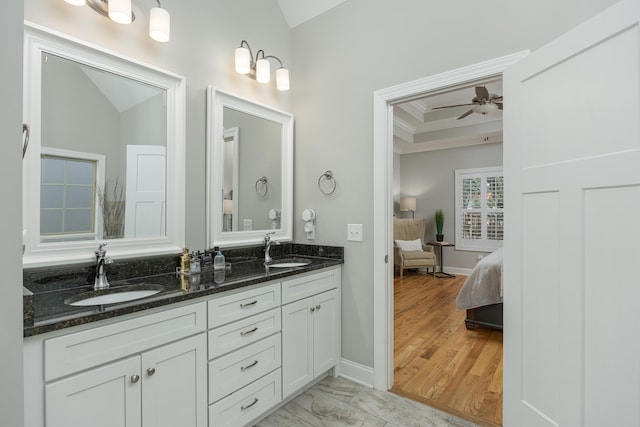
(327, 183)
(262, 187)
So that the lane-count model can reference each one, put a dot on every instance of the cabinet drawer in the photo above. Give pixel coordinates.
(241, 367)
(303, 287)
(230, 308)
(81, 350)
(248, 403)
(227, 338)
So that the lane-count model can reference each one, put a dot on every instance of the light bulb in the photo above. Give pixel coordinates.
(159, 24)
(120, 11)
(243, 60)
(282, 79)
(77, 2)
(263, 71)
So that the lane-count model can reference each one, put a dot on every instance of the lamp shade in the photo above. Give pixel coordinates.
(243, 60)
(282, 79)
(120, 11)
(408, 204)
(159, 24)
(77, 2)
(263, 71)
(227, 206)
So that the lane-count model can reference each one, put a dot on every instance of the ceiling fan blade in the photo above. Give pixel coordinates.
(482, 92)
(465, 114)
(450, 106)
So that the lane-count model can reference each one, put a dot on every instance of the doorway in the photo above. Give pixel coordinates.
(382, 177)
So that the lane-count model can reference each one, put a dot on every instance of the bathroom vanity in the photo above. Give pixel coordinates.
(199, 353)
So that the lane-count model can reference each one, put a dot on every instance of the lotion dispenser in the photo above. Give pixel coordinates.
(218, 260)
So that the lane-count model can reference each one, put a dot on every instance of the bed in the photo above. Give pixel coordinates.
(481, 294)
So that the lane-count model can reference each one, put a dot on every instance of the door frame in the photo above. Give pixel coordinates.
(383, 101)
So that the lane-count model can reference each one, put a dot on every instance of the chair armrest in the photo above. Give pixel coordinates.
(428, 248)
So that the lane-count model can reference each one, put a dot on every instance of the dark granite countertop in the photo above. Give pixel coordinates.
(50, 312)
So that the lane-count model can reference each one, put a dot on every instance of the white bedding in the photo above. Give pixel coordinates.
(484, 284)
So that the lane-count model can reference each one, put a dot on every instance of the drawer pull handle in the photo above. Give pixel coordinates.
(318, 307)
(254, 302)
(151, 371)
(135, 378)
(255, 328)
(244, 368)
(255, 400)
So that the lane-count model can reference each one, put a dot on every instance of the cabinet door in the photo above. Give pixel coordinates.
(174, 384)
(326, 321)
(104, 397)
(297, 345)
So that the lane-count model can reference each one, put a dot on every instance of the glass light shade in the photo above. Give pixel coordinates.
(243, 60)
(120, 11)
(408, 204)
(263, 71)
(159, 24)
(77, 2)
(282, 79)
(227, 206)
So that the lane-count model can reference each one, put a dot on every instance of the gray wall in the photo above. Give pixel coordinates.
(341, 58)
(429, 177)
(11, 389)
(204, 35)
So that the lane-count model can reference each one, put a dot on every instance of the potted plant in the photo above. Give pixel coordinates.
(439, 225)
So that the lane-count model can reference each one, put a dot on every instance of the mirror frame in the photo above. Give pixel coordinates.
(39, 40)
(216, 102)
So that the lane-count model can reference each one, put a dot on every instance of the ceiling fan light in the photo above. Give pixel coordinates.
(485, 108)
(120, 11)
(159, 24)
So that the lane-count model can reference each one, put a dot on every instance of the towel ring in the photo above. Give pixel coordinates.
(263, 190)
(327, 177)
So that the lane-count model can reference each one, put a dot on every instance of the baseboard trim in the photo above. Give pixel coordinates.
(456, 270)
(357, 372)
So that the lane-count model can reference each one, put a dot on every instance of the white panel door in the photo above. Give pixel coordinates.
(325, 332)
(572, 176)
(145, 191)
(108, 396)
(174, 384)
(297, 345)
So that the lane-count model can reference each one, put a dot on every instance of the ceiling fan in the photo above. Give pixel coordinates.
(483, 103)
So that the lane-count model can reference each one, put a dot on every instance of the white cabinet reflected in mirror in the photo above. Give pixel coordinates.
(249, 166)
(106, 158)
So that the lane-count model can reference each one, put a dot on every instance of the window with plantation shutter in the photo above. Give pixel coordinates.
(479, 209)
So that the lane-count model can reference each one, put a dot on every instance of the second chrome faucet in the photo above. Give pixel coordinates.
(101, 281)
(267, 246)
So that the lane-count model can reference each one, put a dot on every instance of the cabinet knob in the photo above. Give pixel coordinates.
(312, 309)
(318, 307)
(135, 378)
(151, 371)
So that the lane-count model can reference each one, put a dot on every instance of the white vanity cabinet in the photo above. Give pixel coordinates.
(311, 337)
(146, 371)
(245, 355)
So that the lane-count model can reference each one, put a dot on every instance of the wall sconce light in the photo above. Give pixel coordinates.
(120, 11)
(260, 68)
(408, 204)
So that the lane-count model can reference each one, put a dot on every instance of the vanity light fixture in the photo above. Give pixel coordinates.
(120, 11)
(260, 68)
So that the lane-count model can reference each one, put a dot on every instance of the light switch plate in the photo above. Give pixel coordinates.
(354, 232)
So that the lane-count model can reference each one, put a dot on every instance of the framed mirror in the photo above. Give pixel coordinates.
(249, 171)
(105, 161)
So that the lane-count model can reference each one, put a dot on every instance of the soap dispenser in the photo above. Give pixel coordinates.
(218, 260)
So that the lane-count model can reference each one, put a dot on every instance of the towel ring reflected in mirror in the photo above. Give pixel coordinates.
(327, 183)
(262, 187)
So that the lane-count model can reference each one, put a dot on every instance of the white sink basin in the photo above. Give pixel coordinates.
(113, 295)
(288, 263)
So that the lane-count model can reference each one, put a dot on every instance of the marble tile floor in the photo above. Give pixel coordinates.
(339, 402)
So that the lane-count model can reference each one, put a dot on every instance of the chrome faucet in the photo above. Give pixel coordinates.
(101, 281)
(267, 246)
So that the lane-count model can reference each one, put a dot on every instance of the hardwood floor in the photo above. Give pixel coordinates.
(437, 361)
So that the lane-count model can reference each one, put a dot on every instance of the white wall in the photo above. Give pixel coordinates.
(10, 226)
(204, 34)
(347, 53)
(429, 177)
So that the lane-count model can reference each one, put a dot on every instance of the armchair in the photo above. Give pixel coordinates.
(421, 256)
